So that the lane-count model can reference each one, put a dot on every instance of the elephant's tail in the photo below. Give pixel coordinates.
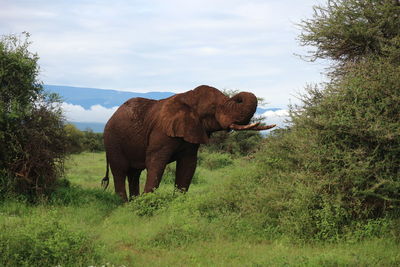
(105, 181)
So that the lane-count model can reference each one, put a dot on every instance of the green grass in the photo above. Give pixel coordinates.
(212, 225)
(86, 169)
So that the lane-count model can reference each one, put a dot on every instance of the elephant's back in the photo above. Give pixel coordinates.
(126, 130)
(130, 115)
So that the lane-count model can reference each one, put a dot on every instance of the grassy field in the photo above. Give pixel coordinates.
(80, 225)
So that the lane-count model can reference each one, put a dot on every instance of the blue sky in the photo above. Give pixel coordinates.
(170, 45)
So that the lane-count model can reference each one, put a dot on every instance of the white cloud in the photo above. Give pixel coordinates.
(277, 113)
(277, 117)
(96, 113)
(174, 45)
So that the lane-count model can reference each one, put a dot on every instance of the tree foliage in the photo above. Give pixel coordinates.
(339, 161)
(351, 133)
(349, 31)
(355, 121)
(79, 141)
(32, 137)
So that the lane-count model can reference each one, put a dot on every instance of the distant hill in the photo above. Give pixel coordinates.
(96, 127)
(263, 110)
(87, 97)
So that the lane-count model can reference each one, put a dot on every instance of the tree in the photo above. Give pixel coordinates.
(340, 158)
(74, 139)
(350, 128)
(79, 141)
(348, 31)
(32, 136)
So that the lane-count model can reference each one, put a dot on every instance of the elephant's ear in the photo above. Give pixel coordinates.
(178, 119)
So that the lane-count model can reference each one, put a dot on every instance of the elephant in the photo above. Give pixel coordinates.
(149, 134)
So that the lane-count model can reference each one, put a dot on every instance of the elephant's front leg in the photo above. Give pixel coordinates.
(185, 168)
(155, 164)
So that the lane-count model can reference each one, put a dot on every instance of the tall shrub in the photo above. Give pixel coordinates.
(32, 137)
(339, 162)
(355, 120)
(79, 141)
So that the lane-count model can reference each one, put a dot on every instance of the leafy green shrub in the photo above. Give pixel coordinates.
(79, 141)
(358, 142)
(340, 158)
(214, 161)
(395, 229)
(370, 229)
(92, 141)
(149, 204)
(32, 138)
(44, 242)
(74, 138)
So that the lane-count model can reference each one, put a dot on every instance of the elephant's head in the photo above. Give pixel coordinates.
(194, 115)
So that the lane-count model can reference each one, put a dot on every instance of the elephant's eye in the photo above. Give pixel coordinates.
(238, 100)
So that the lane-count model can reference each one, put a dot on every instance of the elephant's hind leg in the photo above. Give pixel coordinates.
(133, 180)
(119, 182)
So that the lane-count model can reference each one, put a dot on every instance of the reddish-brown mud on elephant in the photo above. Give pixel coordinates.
(149, 134)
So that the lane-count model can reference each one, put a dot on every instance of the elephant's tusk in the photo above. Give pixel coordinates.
(253, 126)
(263, 127)
(243, 127)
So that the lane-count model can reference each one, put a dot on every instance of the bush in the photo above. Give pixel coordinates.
(149, 204)
(358, 142)
(74, 139)
(32, 137)
(44, 242)
(79, 141)
(340, 159)
(338, 164)
(214, 161)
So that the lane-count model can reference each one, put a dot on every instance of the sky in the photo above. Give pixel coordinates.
(169, 45)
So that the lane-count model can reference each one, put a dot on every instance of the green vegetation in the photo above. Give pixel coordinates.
(32, 138)
(324, 191)
(79, 141)
(225, 219)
